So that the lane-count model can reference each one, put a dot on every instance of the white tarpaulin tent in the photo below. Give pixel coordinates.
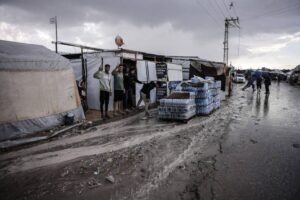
(37, 89)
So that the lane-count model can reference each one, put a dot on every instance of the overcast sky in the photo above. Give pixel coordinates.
(269, 34)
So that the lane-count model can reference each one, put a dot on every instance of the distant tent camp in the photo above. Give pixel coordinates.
(37, 89)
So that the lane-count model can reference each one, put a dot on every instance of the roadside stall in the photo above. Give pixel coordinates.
(145, 71)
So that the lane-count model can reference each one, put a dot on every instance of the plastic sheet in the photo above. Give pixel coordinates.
(37, 87)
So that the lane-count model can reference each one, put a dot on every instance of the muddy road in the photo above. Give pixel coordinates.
(248, 149)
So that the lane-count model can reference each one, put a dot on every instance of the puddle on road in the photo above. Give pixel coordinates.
(296, 146)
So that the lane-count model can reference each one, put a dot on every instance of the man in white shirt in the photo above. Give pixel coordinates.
(105, 88)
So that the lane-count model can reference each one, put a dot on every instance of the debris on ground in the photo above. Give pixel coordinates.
(110, 179)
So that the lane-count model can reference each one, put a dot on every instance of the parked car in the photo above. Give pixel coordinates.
(239, 78)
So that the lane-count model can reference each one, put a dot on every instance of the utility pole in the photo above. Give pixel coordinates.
(53, 20)
(229, 22)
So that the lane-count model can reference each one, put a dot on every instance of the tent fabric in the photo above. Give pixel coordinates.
(146, 71)
(26, 95)
(185, 67)
(93, 62)
(35, 84)
(24, 57)
(207, 68)
(174, 72)
(16, 129)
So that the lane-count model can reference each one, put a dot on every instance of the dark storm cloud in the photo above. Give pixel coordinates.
(185, 15)
(201, 20)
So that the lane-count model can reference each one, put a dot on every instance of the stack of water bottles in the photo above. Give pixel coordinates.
(207, 94)
(178, 106)
(217, 95)
(215, 89)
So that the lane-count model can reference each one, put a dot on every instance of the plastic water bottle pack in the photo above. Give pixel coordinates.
(178, 106)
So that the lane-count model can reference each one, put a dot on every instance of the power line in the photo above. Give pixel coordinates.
(211, 16)
(275, 12)
(233, 6)
(226, 8)
(222, 12)
(214, 9)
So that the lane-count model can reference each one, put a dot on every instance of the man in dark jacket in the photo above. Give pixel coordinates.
(258, 83)
(145, 96)
(267, 83)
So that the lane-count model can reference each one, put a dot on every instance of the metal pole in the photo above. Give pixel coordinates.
(55, 34)
(227, 45)
(82, 66)
(225, 57)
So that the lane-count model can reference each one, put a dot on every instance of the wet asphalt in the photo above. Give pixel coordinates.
(260, 154)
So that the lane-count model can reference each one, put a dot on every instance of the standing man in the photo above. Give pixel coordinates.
(118, 89)
(278, 79)
(128, 92)
(129, 84)
(145, 96)
(267, 83)
(258, 83)
(105, 88)
(132, 81)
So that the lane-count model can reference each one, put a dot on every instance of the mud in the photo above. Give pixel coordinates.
(245, 150)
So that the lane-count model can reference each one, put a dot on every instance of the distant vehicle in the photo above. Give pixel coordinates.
(239, 78)
(295, 78)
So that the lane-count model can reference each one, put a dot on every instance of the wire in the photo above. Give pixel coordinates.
(234, 10)
(239, 42)
(215, 10)
(275, 12)
(211, 16)
(226, 8)
(224, 15)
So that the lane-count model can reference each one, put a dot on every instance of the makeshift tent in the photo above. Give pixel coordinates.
(37, 89)
(185, 63)
(93, 62)
(146, 72)
(200, 67)
(206, 68)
